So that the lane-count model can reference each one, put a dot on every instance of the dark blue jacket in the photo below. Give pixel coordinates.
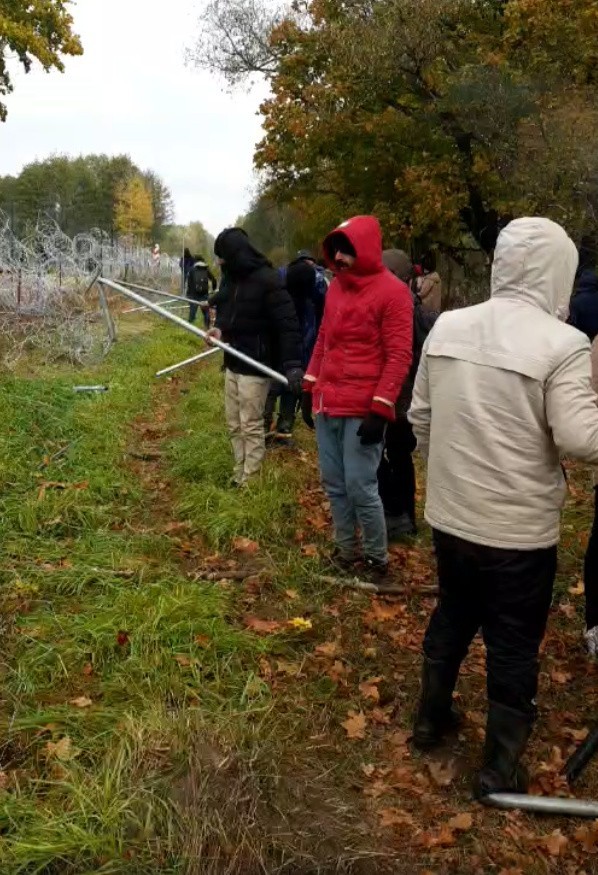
(583, 310)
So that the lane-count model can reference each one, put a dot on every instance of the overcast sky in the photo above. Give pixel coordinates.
(132, 93)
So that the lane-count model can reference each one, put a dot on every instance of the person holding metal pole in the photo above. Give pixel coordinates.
(502, 392)
(360, 362)
(257, 317)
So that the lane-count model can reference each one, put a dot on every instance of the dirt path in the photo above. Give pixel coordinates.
(342, 697)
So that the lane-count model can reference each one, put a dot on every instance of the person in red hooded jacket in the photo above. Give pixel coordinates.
(361, 360)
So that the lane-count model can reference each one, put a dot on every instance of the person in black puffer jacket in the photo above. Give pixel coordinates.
(257, 317)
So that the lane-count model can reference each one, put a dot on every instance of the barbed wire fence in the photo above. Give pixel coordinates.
(47, 299)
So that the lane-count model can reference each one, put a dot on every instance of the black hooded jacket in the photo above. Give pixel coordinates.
(257, 315)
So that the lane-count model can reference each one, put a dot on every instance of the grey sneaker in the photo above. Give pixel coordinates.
(591, 637)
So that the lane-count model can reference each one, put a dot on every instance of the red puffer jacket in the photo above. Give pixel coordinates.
(364, 349)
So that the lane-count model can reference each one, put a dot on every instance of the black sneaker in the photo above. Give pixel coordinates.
(342, 563)
(400, 527)
(376, 571)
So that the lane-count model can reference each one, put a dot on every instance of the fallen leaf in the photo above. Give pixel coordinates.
(184, 661)
(560, 677)
(329, 648)
(338, 672)
(81, 702)
(62, 750)
(355, 725)
(245, 545)
(122, 639)
(292, 669)
(369, 689)
(577, 735)
(443, 774)
(202, 641)
(578, 589)
(461, 822)
(555, 843)
(395, 817)
(587, 835)
(174, 527)
(310, 550)
(568, 610)
(88, 669)
(261, 627)
(444, 838)
(301, 624)
(400, 738)
(291, 594)
(368, 769)
(380, 716)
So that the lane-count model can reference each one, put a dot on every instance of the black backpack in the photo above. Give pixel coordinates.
(423, 322)
(198, 282)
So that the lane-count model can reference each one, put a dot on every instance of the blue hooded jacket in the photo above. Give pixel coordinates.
(583, 310)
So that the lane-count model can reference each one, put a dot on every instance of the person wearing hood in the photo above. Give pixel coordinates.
(583, 311)
(303, 285)
(502, 392)
(359, 365)
(199, 279)
(396, 475)
(256, 316)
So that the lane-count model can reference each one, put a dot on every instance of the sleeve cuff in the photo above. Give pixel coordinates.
(382, 408)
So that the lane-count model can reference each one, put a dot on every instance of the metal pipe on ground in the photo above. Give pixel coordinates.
(190, 361)
(544, 804)
(192, 329)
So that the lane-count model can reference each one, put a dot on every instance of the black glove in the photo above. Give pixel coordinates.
(295, 378)
(306, 409)
(371, 431)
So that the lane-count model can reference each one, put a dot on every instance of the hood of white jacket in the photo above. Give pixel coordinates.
(535, 262)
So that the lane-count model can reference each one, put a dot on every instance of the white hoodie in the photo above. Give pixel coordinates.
(503, 390)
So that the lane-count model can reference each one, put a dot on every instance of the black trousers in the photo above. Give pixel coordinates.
(287, 410)
(590, 571)
(396, 475)
(193, 308)
(506, 594)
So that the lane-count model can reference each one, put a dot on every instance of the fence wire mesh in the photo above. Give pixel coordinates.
(47, 301)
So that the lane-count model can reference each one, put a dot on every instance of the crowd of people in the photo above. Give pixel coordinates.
(493, 396)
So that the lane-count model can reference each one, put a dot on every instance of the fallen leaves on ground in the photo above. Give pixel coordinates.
(62, 750)
(122, 638)
(555, 843)
(245, 545)
(310, 550)
(587, 836)
(461, 822)
(202, 641)
(395, 817)
(441, 838)
(300, 624)
(560, 677)
(261, 627)
(81, 702)
(369, 689)
(443, 774)
(329, 648)
(355, 725)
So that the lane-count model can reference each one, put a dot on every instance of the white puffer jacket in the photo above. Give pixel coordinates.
(503, 390)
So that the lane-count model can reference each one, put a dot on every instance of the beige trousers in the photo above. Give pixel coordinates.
(244, 402)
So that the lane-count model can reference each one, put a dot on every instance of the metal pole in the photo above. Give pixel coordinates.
(190, 361)
(192, 329)
(157, 292)
(543, 804)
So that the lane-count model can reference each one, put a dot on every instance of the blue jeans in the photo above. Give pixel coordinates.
(350, 477)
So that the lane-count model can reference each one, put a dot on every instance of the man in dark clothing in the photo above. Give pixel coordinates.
(199, 279)
(307, 296)
(583, 309)
(256, 317)
(185, 264)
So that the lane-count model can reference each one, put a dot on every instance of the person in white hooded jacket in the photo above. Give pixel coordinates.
(502, 392)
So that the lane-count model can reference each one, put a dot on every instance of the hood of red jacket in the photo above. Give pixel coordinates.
(365, 235)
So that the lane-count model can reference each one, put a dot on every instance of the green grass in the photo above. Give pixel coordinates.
(96, 603)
